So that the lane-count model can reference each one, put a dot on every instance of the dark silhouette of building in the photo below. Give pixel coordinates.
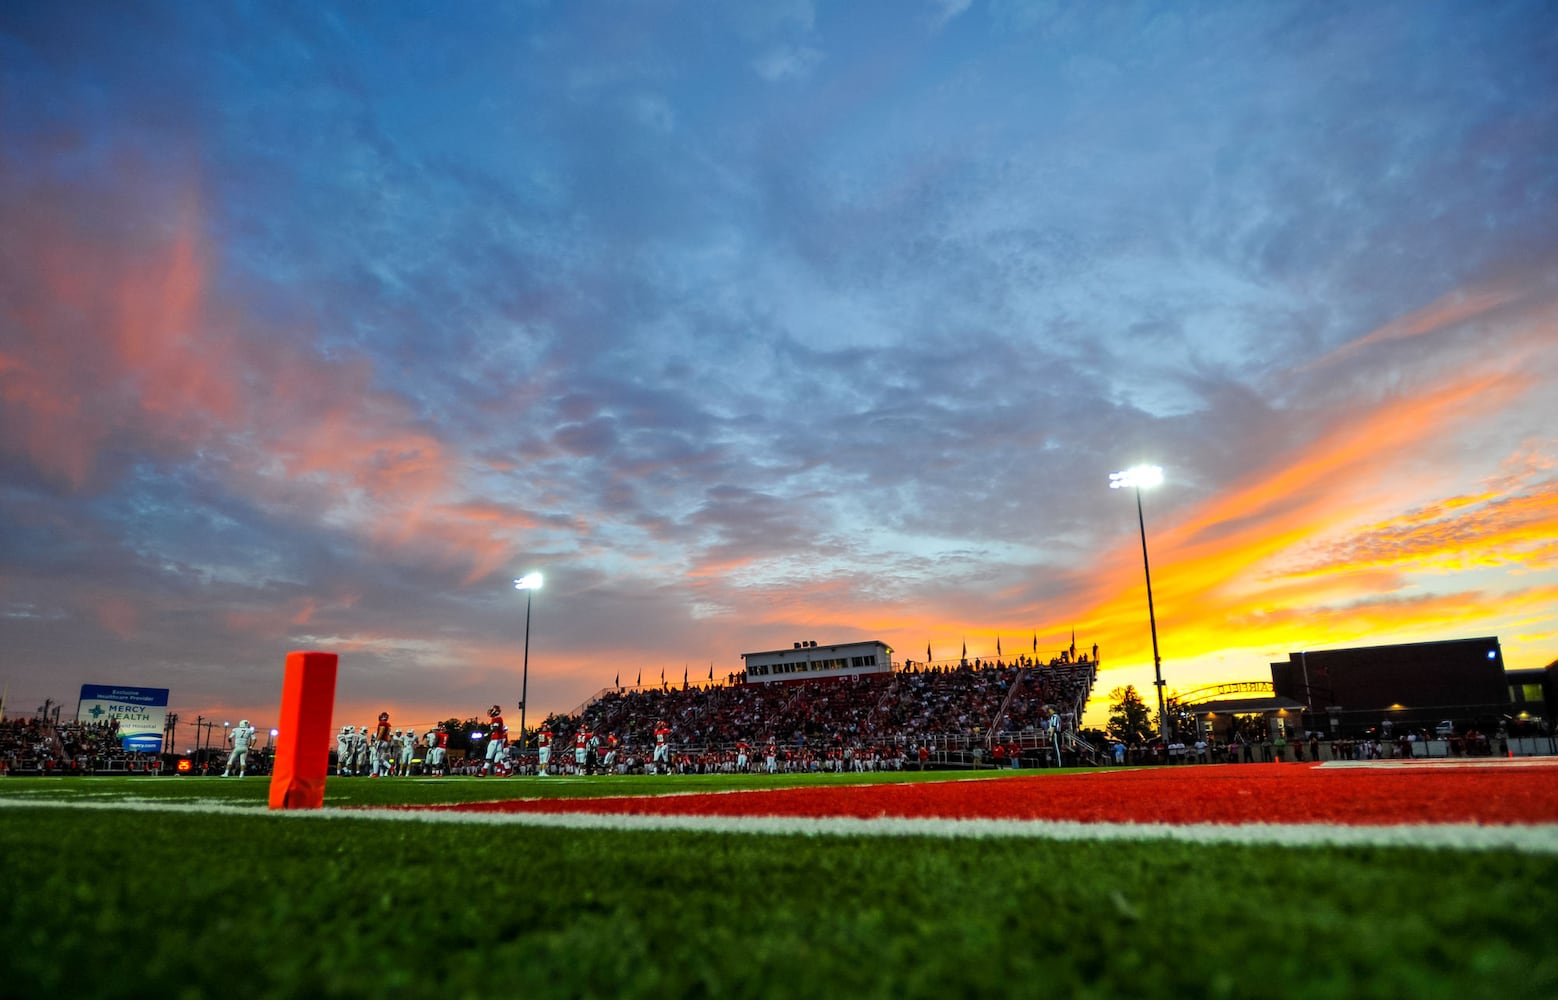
(1414, 685)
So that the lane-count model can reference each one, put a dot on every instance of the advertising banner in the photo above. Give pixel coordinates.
(142, 713)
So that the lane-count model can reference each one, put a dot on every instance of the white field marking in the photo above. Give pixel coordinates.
(1444, 762)
(1527, 839)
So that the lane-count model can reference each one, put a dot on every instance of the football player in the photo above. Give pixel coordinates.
(243, 739)
(662, 758)
(497, 741)
(544, 750)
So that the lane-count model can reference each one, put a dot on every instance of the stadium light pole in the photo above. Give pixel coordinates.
(1136, 478)
(529, 583)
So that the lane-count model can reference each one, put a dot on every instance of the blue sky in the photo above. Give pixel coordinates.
(755, 322)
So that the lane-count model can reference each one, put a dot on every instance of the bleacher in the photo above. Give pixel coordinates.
(957, 707)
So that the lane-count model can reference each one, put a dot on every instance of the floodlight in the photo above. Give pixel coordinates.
(1137, 476)
(529, 583)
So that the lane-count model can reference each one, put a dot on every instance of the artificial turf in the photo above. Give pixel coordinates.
(112, 903)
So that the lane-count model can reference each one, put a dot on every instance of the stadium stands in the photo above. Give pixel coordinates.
(968, 712)
(39, 746)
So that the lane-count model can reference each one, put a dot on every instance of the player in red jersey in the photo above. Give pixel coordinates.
(437, 751)
(612, 745)
(741, 757)
(497, 740)
(581, 748)
(380, 746)
(544, 750)
(662, 758)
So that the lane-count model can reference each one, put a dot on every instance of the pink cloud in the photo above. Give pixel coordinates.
(120, 342)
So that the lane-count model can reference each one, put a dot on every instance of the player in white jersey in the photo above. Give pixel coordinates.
(408, 751)
(243, 739)
(437, 755)
(354, 749)
(343, 751)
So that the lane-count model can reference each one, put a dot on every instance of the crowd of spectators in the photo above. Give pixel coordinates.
(866, 721)
(1270, 748)
(43, 744)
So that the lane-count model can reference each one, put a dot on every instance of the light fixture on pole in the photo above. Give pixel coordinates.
(1136, 478)
(529, 583)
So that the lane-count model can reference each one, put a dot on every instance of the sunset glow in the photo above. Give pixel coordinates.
(747, 324)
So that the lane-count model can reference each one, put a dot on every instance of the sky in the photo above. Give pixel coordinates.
(751, 323)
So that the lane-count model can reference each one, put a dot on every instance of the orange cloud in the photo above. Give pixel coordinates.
(1296, 554)
(1518, 530)
(1447, 311)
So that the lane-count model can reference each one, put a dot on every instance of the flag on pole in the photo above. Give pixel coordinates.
(640, 682)
(1035, 640)
(928, 657)
(997, 645)
(711, 671)
(618, 682)
(684, 677)
(1073, 643)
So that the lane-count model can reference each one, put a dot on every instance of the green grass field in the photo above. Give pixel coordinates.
(113, 902)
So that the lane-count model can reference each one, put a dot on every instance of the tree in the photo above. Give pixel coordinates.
(1130, 721)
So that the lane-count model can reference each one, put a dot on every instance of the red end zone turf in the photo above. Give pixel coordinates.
(1491, 793)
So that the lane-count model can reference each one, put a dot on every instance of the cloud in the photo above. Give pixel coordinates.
(1450, 311)
(944, 12)
(787, 63)
(761, 320)
(1510, 528)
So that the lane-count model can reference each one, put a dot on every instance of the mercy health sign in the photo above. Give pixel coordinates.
(142, 713)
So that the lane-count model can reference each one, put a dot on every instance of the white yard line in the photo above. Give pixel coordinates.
(1528, 839)
(1443, 762)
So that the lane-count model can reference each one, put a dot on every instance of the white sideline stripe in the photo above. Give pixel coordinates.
(1527, 839)
(1436, 764)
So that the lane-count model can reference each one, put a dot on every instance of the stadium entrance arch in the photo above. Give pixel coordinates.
(809, 661)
